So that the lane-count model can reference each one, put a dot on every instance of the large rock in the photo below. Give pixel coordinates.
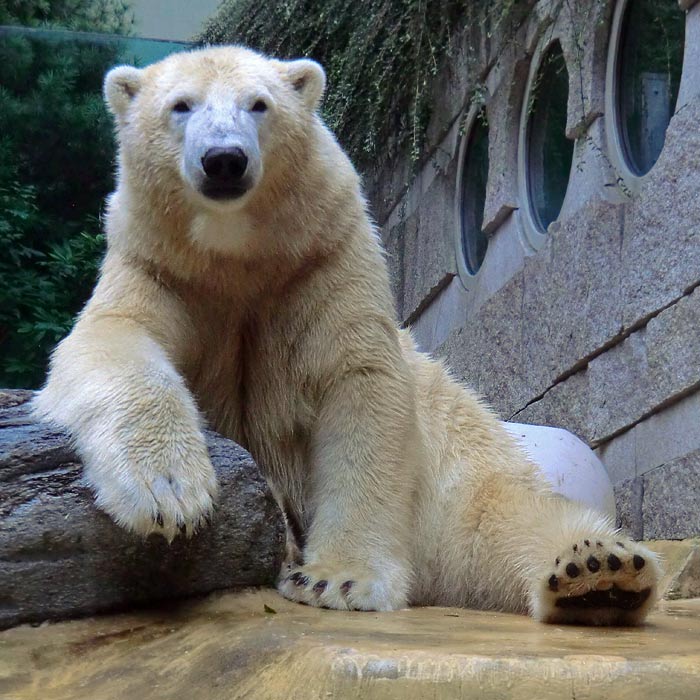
(60, 556)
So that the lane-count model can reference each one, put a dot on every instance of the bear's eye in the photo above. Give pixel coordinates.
(181, 107)
(259, 106)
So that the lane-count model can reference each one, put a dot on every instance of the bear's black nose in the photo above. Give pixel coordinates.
(225, 166)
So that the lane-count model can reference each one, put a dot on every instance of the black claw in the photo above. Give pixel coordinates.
(572, 570)
(587, 543)
(295, 576)
(159, 519)
(301, 581)
(614, 562)
(593, 564)
(638, 562)
(345, 587)
(619, 544)
(599, 544)
(553, 583)
(575, 548)
(557, 561)
(320, 586)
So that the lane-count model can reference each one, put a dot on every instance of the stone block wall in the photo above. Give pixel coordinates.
(597, 331)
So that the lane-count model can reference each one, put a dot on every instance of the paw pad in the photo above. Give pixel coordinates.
(600, 582)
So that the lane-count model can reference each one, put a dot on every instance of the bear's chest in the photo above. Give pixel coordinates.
(254, 384)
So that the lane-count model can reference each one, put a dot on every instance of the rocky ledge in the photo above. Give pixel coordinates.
(61, 557)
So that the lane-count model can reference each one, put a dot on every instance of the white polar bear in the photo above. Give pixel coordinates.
(244, 285)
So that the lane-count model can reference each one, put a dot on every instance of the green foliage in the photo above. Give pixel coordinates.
(56, 164)
(42, 286)
(113, 16)
(380, 57)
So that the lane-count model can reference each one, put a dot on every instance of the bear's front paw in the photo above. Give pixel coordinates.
(169, 491)
(340, 587)
(599, 581)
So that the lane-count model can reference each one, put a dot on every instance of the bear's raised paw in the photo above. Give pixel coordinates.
(599, 581)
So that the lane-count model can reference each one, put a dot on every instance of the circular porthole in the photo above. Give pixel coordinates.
(472, 242)
(547, 152)
(644, 75)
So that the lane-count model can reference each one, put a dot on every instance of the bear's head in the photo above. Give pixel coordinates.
(208, 124)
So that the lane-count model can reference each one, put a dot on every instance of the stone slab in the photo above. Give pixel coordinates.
(672, 433)
(629, 497)
(671, 506)
(661, 244)
(619, 388)
(565, 405)
(61, 557)
(658, 362)
(584, 34)
(488, 353)
(690, 79)
(571, 299)
(258, 646)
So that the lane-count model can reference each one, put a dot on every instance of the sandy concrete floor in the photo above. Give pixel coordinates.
(228, 646)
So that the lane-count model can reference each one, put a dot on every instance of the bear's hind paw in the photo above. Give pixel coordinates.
(599, 581)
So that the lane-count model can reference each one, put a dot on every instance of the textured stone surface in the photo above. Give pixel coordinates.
(635, 377)
(61, 557)
(677, 483)
(488, 354)
(445, 313)
(427, 247)
(565, 405)
(661, 245)
(690, 80)
(629, 495)
(583, 31)
(627, 382)
(670, 434)
(572, 294)
(229, 648)
(503, 112)
(619, 456)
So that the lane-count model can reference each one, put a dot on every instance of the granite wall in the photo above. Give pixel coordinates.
(596, 330)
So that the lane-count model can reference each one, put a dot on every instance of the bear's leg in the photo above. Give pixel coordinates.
(573, 565)
(363, 474)
(135, 426)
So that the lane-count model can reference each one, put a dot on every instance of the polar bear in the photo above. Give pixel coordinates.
(244, 285)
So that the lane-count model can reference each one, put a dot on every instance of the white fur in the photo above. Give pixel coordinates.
(271, 316)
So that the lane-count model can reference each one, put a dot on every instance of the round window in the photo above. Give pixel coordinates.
(475, 172)
(549, 152)
(649, 65)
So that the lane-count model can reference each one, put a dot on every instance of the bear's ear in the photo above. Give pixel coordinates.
(308, 79)
(121, 86)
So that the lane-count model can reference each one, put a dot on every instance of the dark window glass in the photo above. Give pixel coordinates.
(475, 172)
(549, 152)
(650, 61)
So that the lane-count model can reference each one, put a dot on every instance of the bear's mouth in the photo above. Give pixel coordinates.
(221, 193)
